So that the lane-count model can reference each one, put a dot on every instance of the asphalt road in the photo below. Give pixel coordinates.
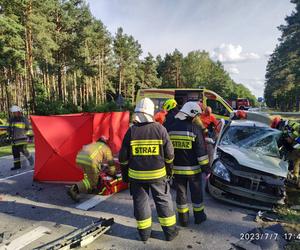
(26, 205)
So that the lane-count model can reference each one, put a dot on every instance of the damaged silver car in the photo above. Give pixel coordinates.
(247, 169)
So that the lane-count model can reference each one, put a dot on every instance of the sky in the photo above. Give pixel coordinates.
(239, 33)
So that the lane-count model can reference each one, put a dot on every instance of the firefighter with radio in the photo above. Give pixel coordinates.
(146, 160)
(89, 159)
(190, 160)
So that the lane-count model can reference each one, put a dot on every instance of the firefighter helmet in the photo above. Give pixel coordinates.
(145, 106)
(15, 108)
(189, 109)
(169, 104)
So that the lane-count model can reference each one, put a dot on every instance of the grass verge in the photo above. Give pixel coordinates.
(6, 150)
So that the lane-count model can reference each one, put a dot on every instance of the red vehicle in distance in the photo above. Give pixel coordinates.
(240, 103)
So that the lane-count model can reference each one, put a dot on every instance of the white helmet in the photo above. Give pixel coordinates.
(15, 108)
(190, 109)
(145, 106)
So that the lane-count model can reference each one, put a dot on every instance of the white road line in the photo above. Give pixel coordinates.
(26, 239)
(92, 202)
(10, 177)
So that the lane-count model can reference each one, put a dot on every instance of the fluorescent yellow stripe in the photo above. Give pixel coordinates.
(93, 155)
(198, 209)
(103, 190)
(86, 184)
(143, 224)
(182, 137)
(85, 160)
(168, 221)
(147, 175)
(147, 142)
(169, 161)
(19, 125)
(187, 172)
(204, 162)
(182, 210)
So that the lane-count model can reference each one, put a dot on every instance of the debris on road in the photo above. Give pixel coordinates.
(80, 237)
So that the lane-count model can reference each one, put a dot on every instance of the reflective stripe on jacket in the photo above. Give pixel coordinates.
(146, 149)
(94, 154)
(189, 147)
(17, 130)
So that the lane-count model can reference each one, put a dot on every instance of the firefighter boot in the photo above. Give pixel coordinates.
(173, 235)
(73, 192)
(145, 234)
(200, 217)
(183, 219)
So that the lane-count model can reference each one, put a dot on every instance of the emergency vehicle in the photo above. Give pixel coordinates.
(221, 109)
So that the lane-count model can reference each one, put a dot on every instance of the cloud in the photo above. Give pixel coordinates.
(256, 85)
(232, 69)
(229, 53)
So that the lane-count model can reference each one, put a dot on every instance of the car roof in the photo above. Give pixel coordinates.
(248, 123)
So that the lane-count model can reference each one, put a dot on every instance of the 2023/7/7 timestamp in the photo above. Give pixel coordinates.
(268, 236)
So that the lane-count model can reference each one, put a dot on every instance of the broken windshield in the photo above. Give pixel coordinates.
(261, 140)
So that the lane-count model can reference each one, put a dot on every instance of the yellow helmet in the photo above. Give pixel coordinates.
(169, 104)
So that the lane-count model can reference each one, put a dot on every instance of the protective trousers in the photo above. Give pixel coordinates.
(17, 150)
(195, 185)
(90, 180)
(164, 206)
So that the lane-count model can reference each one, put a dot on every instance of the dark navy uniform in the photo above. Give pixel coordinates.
(146, 159)
(18, 127)
(170, 117)
(190, 159)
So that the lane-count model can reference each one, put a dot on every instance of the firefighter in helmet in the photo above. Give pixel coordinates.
(146, 160)
(190, 160)
(17, 131)
(291, 141)
(89, 159)
(170, 106)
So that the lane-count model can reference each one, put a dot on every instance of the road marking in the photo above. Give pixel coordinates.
(26, 239)
(10, 177)
(92, 202)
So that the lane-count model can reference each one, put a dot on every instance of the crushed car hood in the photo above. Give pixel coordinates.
(251, 159)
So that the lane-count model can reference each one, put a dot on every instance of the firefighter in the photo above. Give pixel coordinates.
(89, 159)
(208, 118)
(190, 160)
(170, 106)
(291, 136)
(17, 132)
(211, 127)
(146, 160)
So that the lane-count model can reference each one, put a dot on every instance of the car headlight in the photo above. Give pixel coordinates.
(221, 171)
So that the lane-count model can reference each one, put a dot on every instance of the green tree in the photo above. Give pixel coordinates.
(127, 52)
(148, 74)
(282, 87)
